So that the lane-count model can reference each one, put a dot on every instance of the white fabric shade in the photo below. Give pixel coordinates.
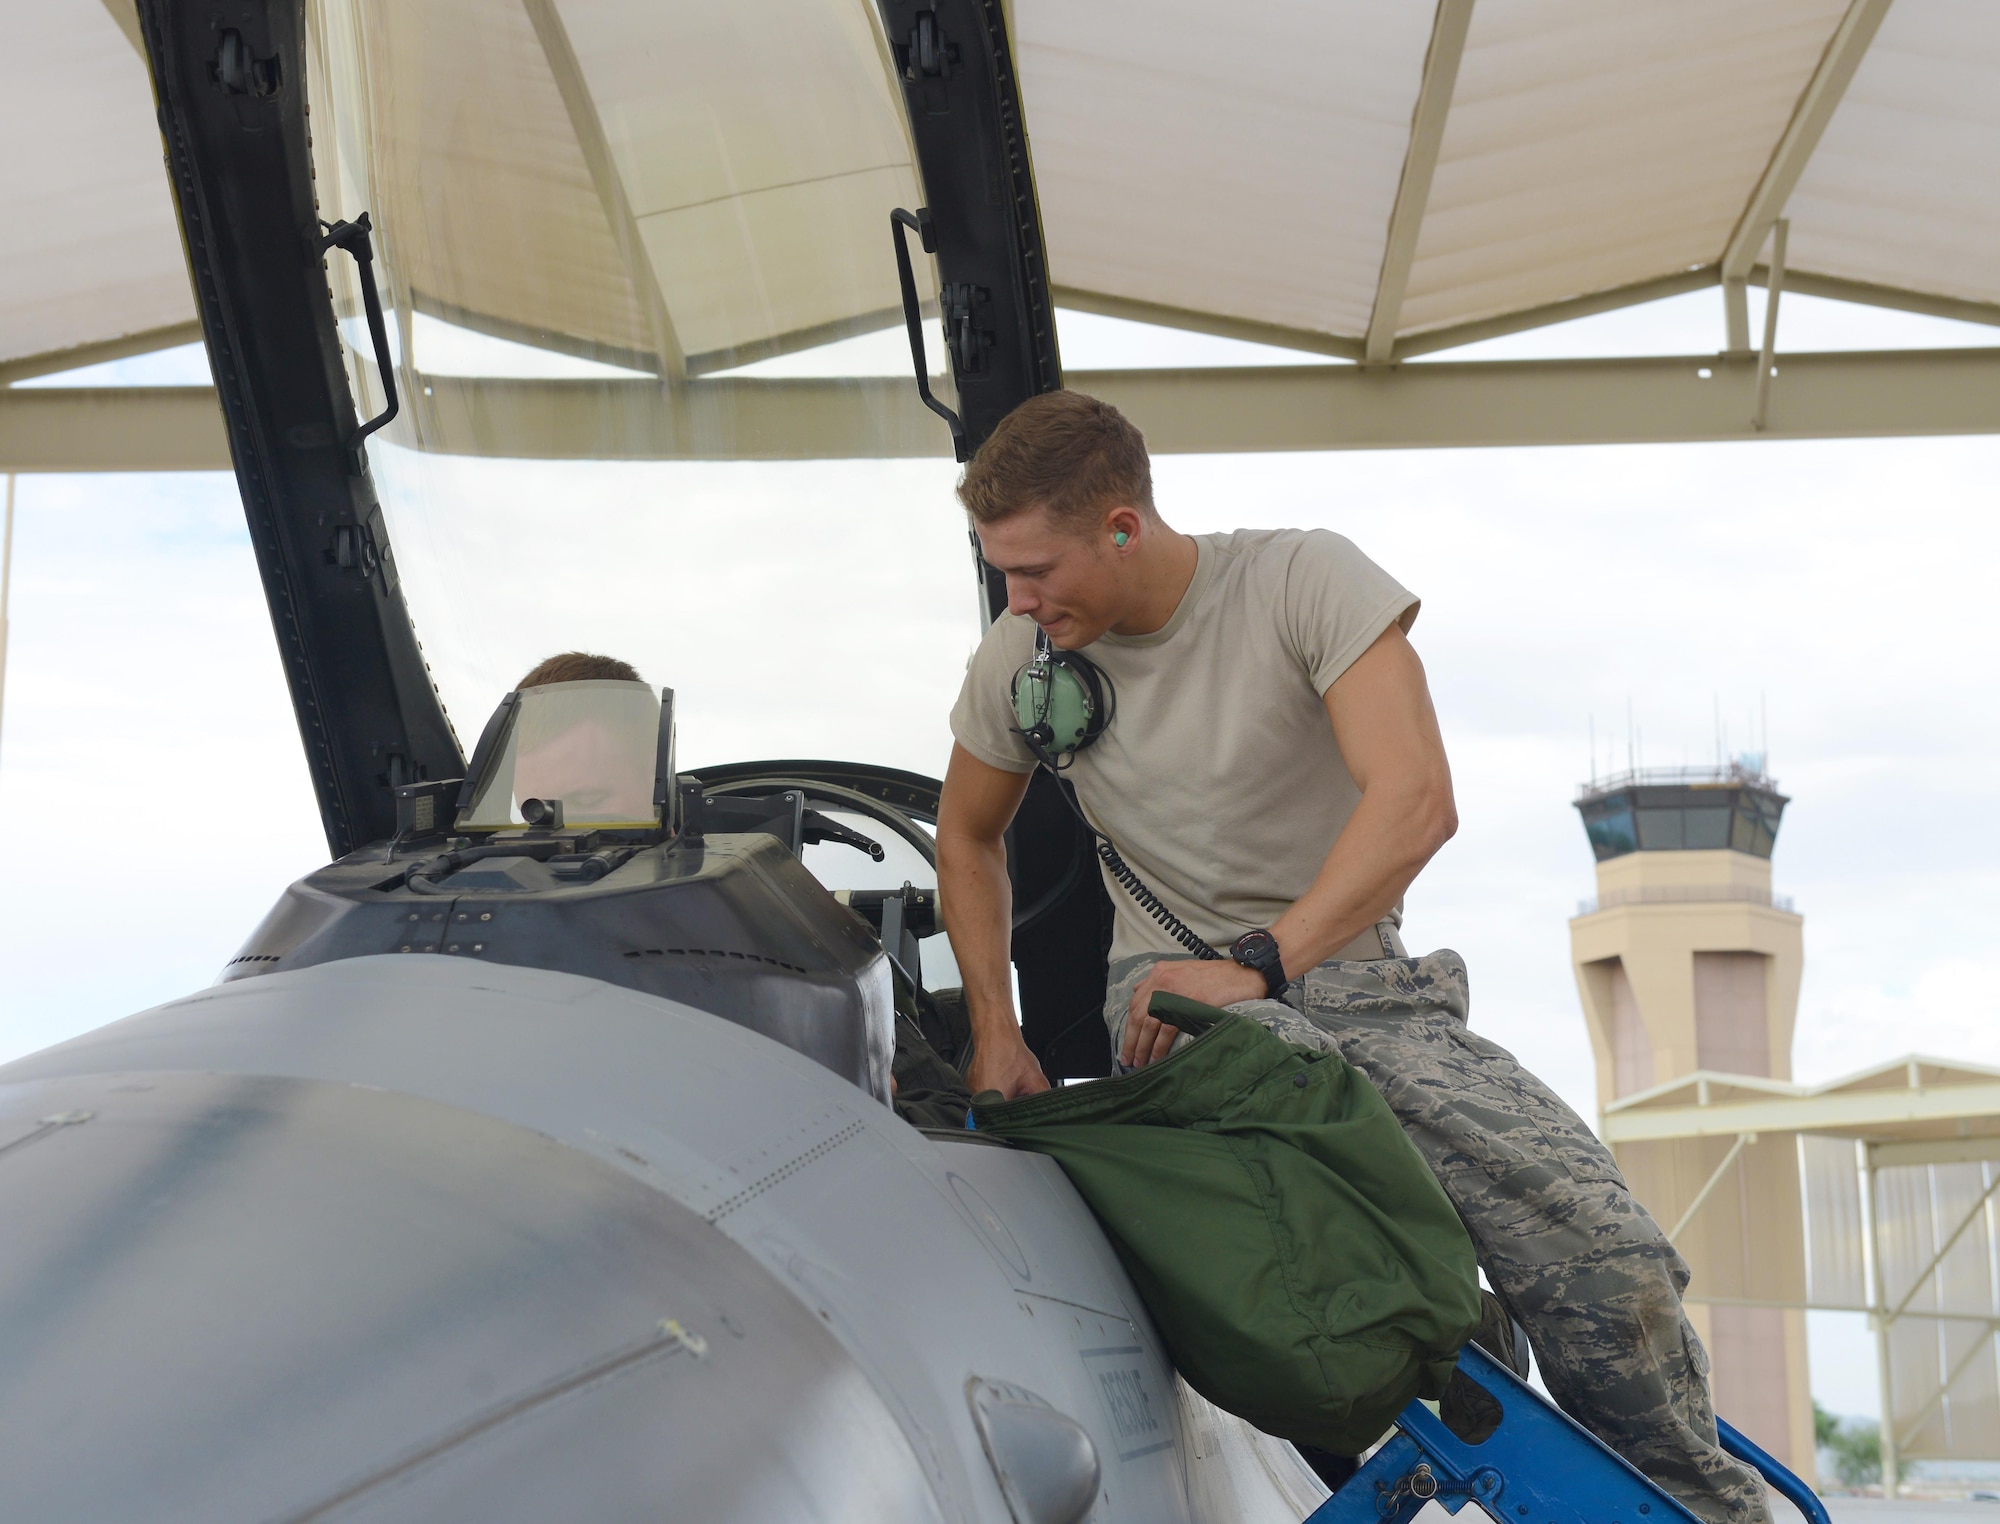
(1905, 187)
(88, 246)
(711, 181)
(1594, 145)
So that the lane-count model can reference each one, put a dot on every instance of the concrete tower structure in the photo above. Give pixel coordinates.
(1687, 965)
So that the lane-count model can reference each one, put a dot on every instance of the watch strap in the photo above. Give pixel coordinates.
(1259, 951)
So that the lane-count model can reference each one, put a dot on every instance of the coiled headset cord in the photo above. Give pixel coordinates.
(1133, 885)
(1149, 902)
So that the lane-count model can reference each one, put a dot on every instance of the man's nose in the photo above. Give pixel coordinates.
(1021, 597)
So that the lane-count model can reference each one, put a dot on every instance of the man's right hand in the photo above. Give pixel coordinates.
(1006, 1067)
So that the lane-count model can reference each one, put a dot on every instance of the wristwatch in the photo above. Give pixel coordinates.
(1258, 951)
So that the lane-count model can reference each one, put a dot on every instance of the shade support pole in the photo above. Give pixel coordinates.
(1774, 288)
(1413, 195)
(1788, 161)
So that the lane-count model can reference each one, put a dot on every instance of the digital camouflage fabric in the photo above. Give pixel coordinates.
(1301, 1262)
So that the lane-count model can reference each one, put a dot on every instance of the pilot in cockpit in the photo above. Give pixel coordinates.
(590, 743)
(586, 735)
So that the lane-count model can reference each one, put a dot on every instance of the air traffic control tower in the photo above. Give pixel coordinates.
(1687, 965)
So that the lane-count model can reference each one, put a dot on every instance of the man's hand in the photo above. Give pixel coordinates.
(1147, 1038)
(1006, 1067)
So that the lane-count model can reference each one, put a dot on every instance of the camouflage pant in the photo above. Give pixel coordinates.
(1570, 1253)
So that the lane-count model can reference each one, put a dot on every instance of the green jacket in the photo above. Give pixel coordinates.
(1297, 1255)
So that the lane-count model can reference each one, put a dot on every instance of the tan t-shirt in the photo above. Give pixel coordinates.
(1219, 778)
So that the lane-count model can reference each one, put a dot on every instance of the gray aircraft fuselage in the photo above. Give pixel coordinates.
(414, 1236)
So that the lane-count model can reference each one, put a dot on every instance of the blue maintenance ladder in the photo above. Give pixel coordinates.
(1538, 1467)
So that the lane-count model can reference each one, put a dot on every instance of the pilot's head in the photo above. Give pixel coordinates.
(596, 754)
(579, 667)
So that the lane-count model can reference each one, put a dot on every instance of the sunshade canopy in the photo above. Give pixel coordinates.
(1353, 179)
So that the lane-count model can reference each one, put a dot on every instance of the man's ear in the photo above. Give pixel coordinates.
(1123, 528)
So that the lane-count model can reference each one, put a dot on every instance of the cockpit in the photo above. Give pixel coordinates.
(765, 893)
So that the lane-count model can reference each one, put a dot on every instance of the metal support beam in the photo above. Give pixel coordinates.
(1546, 402)
(1794, 151)
(1436, 405)
(1413, 195)
(1990, 1323)
(1432, 341)
(125, 428)
(1701, 1196)
(715, 419)
(1570, 308)
(1774, 288)
(1868, 294)
(1159, 315)
(597, 157)
(54, 362)
(1844, 1111)
(1935, 1151)
(533, 335)
(1692, 1294)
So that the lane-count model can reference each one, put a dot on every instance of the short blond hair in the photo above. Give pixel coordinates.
(1064, 451)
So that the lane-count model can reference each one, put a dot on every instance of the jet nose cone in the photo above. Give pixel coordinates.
(230, 1298)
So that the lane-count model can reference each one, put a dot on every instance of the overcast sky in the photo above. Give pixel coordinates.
(158, 801)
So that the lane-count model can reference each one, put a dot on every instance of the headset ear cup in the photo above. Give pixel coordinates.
(1095, 686)
(1062, 701)
(1096, 689)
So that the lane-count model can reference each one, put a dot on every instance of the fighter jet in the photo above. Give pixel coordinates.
(533, 1158)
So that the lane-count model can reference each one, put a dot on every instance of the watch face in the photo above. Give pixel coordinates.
(1254, 948)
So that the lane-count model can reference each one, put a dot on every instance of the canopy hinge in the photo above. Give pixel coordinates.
(927, 55)
(968, 343)
(239, 71)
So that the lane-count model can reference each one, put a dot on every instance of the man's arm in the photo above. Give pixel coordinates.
(1387, 731)
(977, 899)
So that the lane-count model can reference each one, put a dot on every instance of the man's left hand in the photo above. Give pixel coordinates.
(1212, 982)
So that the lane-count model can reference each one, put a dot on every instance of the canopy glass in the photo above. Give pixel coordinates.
(610, 236)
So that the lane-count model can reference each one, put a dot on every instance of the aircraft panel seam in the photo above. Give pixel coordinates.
(784, 1171)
